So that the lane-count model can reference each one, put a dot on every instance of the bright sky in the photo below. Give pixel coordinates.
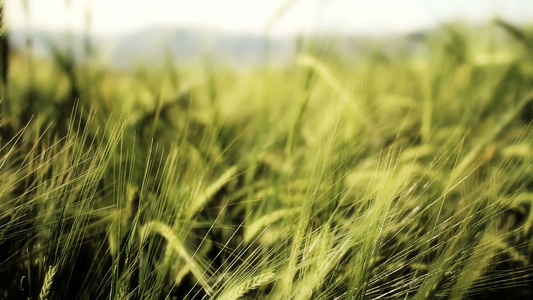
(253, 16)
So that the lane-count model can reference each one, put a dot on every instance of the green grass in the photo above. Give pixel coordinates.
(388, 176)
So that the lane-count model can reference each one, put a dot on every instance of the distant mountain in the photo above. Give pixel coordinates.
(150, 46)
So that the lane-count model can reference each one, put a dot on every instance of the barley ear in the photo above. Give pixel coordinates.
(47, 284)
(211, 190)
(244, 287)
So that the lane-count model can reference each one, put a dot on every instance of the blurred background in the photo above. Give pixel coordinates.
(126, 32)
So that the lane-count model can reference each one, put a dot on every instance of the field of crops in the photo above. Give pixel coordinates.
(379, 176)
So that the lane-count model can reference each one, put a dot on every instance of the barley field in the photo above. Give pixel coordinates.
(389, 175)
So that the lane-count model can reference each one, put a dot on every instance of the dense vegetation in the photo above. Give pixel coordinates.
(380, 176)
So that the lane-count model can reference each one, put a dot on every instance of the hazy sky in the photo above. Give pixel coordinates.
(253, 16)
